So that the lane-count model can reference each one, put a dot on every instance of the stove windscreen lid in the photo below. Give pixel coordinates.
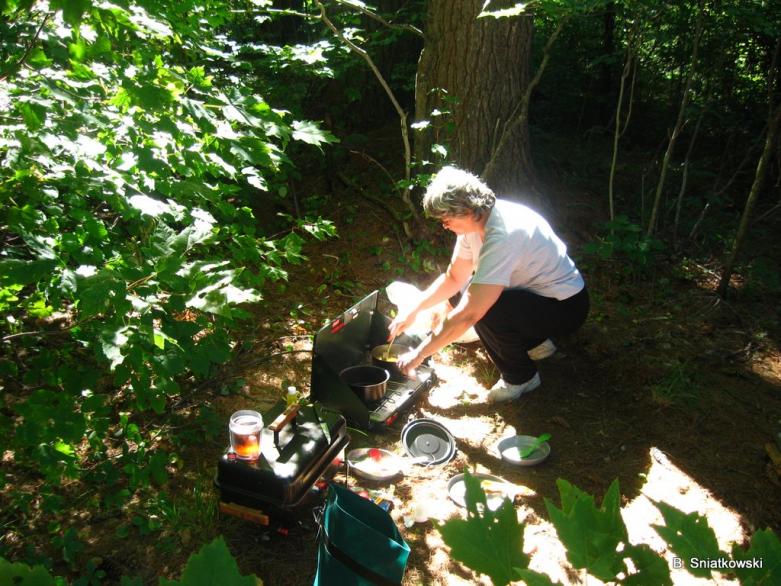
(344, 341)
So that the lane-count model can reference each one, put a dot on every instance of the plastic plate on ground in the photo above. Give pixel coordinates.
(374, 463)
(496, 489)
(511, 450)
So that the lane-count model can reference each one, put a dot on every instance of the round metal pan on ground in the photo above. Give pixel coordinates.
(428, 441)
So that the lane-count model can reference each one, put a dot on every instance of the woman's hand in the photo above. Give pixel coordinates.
(409, 361)
(401, 322)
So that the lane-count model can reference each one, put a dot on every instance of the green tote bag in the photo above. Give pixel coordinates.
(360, 544)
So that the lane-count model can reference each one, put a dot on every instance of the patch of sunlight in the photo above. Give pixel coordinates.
(767, 365)
(668, 483)
(664, 482)
(546, 553)
(455, 388)
(472, 430)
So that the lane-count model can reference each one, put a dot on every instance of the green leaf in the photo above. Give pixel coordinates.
(532, 578)
(24, 272)
(765, 546)
(72, 10)
(64, 449)
(112, 344)
(24, 575)
(308, 132)
(34, 115)
(489, 542)
(213, 565)
(39, 58)
(218, 297)
(78, 50)
(590, 534)
(650, 568)
(98, 292)
(689, 536)
(157, 464)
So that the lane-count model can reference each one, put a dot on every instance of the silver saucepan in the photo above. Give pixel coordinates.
(368, 382)
(385, 358)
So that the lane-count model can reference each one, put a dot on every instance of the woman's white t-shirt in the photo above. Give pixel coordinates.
(520, 251)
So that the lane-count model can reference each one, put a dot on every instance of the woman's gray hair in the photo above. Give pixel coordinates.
(454, 192)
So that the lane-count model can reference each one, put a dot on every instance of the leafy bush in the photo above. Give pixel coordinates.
(213, 565)
(131, 174)
(624, 242)
(596, 540)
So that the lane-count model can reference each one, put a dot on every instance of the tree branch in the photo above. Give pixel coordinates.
(27, 51)
(399, 110)
(678, 124)
(618, 130)
(381, 20)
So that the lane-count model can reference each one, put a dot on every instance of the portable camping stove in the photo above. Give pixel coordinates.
(348, 341)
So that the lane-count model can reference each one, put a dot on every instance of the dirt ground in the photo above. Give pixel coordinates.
(666, 388)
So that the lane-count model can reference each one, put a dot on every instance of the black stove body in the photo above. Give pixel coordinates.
(347, 341)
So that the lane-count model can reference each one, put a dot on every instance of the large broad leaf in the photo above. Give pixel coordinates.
(213, 565)
(650, 568)
(489, 542)
(219, 296)
(24, 575)
(72, 10)
(689, 536)
(765, 550)
(310, 133)
(98, 292)
(24, 272)
(590, 534)
(532, 578)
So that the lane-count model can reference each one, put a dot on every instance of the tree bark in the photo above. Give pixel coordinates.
(774, 120)
(678, 125)
(478, 70)
(759, 176)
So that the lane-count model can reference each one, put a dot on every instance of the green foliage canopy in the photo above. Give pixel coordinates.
(131, 169)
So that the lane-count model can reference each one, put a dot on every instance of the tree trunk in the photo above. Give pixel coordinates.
(774, 120)
(618, 129)
(477, 69)
(678, 125)
(759, 177)
(608, 49)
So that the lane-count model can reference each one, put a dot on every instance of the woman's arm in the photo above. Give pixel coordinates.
(474, 304)
(444, 287)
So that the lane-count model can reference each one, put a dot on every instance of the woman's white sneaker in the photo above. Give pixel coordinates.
(542, 351)
(503, 391)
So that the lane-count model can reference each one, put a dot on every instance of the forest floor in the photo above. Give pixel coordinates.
(666, 388)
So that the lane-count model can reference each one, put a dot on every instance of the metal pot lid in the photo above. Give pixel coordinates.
(428, 441)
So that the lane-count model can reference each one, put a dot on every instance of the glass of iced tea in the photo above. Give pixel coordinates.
(245, 427)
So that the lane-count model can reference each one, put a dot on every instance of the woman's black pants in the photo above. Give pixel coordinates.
(521, 320)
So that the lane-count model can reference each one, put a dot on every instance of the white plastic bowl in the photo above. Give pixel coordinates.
(510, 449)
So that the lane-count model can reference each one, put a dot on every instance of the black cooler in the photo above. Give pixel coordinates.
(296, 449)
